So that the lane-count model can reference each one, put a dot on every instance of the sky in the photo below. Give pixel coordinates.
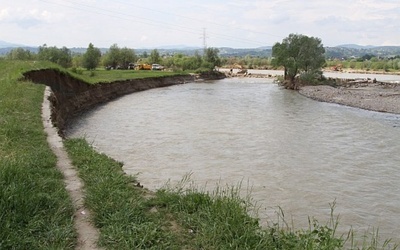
(214, 23)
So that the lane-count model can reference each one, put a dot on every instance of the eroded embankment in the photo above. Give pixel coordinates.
(70, 96)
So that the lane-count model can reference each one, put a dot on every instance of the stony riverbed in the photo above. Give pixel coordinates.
(382, 97)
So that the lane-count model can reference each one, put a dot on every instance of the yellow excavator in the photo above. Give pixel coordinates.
(143, 66)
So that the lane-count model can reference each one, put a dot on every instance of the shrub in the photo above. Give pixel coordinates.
(311, 78)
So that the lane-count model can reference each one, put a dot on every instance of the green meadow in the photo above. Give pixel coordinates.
(102, 75)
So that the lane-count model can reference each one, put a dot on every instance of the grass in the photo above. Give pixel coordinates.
(121, 211)
(36, 212)
(133, 218)
(102, 75)
(185, 218)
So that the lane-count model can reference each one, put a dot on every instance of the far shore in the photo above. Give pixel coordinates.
(374, 97)
(380, 96)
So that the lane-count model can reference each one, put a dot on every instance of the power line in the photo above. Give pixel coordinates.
(148, 21)
(195, 19)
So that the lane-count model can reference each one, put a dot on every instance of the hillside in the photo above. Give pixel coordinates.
(342, 51)
(353, 51)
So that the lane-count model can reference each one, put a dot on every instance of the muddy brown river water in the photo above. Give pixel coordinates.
(292, 152)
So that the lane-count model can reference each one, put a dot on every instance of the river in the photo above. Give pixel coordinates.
(290, 151)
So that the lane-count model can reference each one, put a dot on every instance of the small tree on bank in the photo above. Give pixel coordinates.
(154, 57)
(127, 56)
(117, 57)
(211, 58)
(298, 54)
(111, 58)
(91, 58)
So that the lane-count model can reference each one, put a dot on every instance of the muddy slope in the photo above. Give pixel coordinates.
(71, 96)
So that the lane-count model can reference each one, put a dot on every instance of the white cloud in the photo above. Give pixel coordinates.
(143, 38)
(228, 23)
(4, 14)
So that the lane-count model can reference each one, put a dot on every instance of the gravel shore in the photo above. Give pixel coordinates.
(372, 96)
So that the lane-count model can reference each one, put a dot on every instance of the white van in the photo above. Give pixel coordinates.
(156, 67)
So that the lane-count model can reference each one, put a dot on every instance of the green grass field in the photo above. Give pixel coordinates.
(36, 212)
(102, 75)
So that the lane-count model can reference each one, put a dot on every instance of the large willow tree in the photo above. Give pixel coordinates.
(298, 54)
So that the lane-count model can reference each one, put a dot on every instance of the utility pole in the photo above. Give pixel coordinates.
(204, 40)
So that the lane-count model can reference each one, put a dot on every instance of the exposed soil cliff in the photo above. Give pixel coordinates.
(71, 96)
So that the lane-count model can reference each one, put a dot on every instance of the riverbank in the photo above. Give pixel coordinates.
(37, 212)
(374, 96)
(359, 71)
(71, 96)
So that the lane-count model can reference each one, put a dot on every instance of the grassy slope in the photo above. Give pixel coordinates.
(101, 75)
(184, 218)
(35, 209)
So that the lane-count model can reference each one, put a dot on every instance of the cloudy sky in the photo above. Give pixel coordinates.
(234, 23)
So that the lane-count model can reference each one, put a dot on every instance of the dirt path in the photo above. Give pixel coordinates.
(87, 233)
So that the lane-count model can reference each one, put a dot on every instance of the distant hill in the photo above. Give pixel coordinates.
(6, 50)
(4, 44)
(341, 51)
(260, 52)
(175, 47)
(359, 51)
(356, 46)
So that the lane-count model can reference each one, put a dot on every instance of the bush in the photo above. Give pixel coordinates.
(76, 70)
(311, 78)
(202, 70)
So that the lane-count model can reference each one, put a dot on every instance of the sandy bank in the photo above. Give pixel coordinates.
(382, 97)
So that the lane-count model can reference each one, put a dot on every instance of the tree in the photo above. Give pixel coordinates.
(111, 58)
(126, 57)
(298, 54)
(61, 56)
(211, 58)
(19, 54)
(155, 57)
(117, 57)
(77, 60)
(91, 58)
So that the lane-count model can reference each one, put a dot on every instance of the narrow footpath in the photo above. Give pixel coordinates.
(88, 235)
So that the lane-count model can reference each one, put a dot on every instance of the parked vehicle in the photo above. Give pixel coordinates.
(131, 66)
(156, 67)
(144, 66)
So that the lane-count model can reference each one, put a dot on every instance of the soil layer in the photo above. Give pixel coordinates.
(71, 96)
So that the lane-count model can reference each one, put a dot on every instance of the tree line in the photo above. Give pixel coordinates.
(118, 58)
(373, 63)
(301, 57)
